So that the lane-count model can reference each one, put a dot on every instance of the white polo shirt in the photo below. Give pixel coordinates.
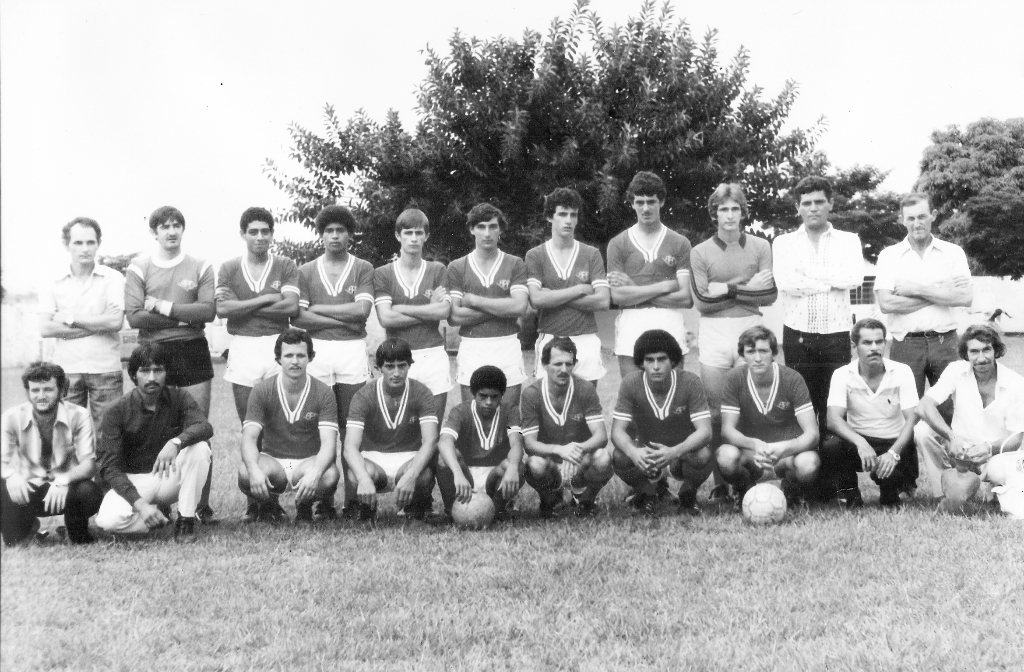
(877, 414)
(102, 292)
(941, 261)
(970, 419)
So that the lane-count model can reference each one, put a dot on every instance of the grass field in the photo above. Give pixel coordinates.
(826, 590)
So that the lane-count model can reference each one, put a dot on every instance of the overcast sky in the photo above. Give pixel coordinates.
(111, 109)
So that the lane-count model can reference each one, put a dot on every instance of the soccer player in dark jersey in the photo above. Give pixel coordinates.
(567, 286)
(564, 432)
(768, 421)
(481, 445)
(298, 417)
(392, 437)
(411, 301)
(488, 294)
(168, 297)
(661, 425)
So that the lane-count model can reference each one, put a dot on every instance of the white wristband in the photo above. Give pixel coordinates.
(164, 307)
(895, 455)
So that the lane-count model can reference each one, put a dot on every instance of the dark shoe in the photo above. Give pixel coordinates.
(252, 513)
(366, 513)
(549, 504)
(185, 530)
(583, 508)
(325, 513)
(720, 494)
(738, 493)
(889, 496)
(166, 510)
(688, 499)
(304, 512)
(205, 515)
(271, 512)
(642, 503)
(662, 492)
(850, 498)
(795, 494)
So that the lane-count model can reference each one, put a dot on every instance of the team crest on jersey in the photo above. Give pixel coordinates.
(503, 284)
(351, 289)
(583, 275)
(311, 415)
(413, 420)
(428, 293)
(783, 405)
(678, 410)
(276, 284)
(187, 285)
(669, 260)
(577, 417)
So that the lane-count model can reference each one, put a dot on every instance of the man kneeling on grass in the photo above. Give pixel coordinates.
(391, 438)
(153, 451)
(47, 460)
(768, 421)
(297, 415)
(564, 432)
(481, 445)
(661, 425)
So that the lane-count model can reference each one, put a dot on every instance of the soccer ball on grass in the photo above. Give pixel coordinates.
(477, 514)
(764, 504)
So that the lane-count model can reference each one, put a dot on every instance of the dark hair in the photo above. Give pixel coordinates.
(984, 333)
(567, 198)
(394, 350)
(914, 198)
(646, 184)
(563, 343)
(485, 212)
(750, 337)
(655, 341)
(812, 184)
(164, 214)
(488, 377)
(255, 214)
(335, 214)
(726, 192)
(148, 354)
(40, 372)
(65, 233)
(412, 219)
(293, 336)
(866, 323)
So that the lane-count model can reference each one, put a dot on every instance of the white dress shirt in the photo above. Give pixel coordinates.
(973, 420)
(102, 292)
(877, 414)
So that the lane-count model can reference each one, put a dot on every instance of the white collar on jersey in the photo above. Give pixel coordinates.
(411, 290)
(765, 406)
(489, 439)
(563, 272)
(559, 418)
(651, 254)
(663, 411)
(282, 395)
(339, 286)
(382, 401)
(486, 279)
(257, 284)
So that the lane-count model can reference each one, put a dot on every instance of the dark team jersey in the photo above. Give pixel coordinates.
(668, 422)
(234, 282)
(387, 432)
(584, 267)
(354, 284)
(508, 275)
(560, 427)
(291, 433)
(389, 288)
(773, 419)
(183, 280)
(482, 444)
(669, 259)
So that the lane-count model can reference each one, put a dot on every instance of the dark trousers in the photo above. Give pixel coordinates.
(928, 356)
(844, 463)
(815, 357)
(16, 521)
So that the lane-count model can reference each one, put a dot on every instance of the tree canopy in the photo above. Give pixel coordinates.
(976, 181)
(584, 106)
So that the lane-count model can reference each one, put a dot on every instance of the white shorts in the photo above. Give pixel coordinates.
(251, 359)
(504, 352)
(589, 363)
(632, 322)
(432, 368)
(339, 362)
(289, 466)
(390, 463)
(480, 475)
(718, 339)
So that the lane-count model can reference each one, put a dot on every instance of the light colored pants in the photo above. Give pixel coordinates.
(931, 449)
(182, 486)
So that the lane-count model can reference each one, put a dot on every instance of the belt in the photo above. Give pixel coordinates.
(929, 334)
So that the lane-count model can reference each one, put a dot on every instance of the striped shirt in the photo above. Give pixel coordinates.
(584, 266)
(773, 419)
(354, 284)
(735, 264)
(182, 280)
(236, 283)
(390, 289)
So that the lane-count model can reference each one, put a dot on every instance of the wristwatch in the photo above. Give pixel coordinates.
(895, 455)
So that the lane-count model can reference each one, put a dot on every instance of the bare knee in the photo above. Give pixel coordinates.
(805, 466)
(600, 467)
(729, 458)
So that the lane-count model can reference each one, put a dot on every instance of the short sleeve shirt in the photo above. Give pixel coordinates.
(389, 288)
(668, 421)
(102, 292)
(183, 280)
(292, 434)
(584, 267)
(567, 423)
(482, 444)
(507, 276)
(668, 259)
(389, 431)
(971, 418)
(236, 283)
(773, 419)
(877, 414)
(354, 284)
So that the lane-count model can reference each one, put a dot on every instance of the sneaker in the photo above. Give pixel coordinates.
(205, 515)
(271, 512)
(688, 499)
(889, 496)
(304, 512)
(720, 494)
(185, 530)
(252, 513)
(325, 513)
(850, 498)
(795, 494)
